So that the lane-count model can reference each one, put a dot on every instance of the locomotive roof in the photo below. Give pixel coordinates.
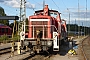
(46, 12)
(43, 10)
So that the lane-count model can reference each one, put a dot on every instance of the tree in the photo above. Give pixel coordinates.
(73, 27)
(2, 13)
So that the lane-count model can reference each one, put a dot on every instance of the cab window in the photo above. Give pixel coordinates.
(53, 14)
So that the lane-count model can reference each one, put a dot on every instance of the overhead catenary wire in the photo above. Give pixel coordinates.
(65, 5)
(37, 2)
(69, 14)
(57, 7)
(64, 16)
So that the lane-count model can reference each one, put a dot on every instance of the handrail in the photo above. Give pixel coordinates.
(43, 26)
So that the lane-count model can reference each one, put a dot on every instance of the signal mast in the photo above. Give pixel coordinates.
(22, 16)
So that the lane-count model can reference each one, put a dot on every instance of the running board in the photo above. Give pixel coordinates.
(55, 42)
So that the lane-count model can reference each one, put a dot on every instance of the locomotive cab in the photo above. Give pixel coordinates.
(44, 30)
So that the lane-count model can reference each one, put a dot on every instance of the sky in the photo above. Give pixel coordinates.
(76, 9)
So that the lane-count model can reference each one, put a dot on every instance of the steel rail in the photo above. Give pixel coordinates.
(83, 49)
(6, 50)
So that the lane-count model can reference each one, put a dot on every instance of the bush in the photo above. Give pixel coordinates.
(15, 38)
(3, 37)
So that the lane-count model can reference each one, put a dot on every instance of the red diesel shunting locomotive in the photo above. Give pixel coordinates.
(46, 30)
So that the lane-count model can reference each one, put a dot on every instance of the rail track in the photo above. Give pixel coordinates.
(37, 57)
(31, 56)
(46, 55)
(28, 56)
(41, 56)
(6, 50)
(85, 49)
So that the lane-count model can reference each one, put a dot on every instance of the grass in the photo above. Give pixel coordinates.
(5, 39)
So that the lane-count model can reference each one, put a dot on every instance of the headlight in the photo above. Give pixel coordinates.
(49, 43)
